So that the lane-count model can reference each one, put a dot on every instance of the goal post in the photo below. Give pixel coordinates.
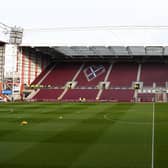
(161, 97)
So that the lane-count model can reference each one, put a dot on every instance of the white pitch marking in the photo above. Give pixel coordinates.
(153, 135)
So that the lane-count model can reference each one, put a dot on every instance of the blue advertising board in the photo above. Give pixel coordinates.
(7, 92)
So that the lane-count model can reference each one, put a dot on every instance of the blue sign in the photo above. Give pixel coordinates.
(7, 92)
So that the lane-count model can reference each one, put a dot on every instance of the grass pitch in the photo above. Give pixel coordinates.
(88, 135)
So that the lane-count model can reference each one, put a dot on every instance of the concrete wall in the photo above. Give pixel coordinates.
(2, 57)
(30, 64)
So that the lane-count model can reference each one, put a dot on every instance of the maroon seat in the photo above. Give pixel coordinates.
(61, 74)
(48, 94)
(41, 75)
(123, 74)
(75, 94)
(154, 72)
(117, 95)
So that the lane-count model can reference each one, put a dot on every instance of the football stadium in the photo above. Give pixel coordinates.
(69, 102)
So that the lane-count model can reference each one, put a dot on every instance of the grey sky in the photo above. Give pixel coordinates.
(81, 13)
(60, 13)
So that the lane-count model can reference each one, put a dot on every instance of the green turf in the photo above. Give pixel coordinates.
(78, 135)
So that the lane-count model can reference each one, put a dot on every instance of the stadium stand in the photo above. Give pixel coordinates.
(47, 94)
(89, 75)
(41, 75)
(69, 72)
(154, 73)
(61, 74)
(117, 95)
(77, 94)
(123, 74)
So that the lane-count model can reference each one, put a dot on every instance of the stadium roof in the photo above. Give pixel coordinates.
(103, 52)
(3, 38)
(113, 51)
(4, 33)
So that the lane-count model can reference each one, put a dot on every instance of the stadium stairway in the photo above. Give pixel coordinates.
(105, 80)
(61, 74)
(74, 78)
(88, 89)
(39, 80)
(78, 72)
(43, 75)
(120, 77)
(57, 76)
(138, 80)
(139, 72)
(46, 75)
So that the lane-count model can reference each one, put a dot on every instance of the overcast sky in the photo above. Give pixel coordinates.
(63, 13)
(84, 13)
